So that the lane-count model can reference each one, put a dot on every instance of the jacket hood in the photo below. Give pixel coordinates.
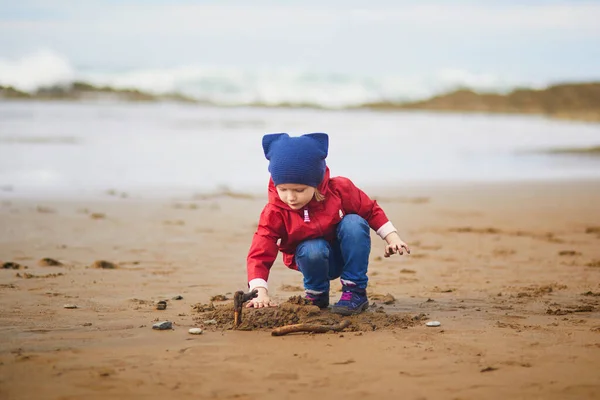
(274, 199)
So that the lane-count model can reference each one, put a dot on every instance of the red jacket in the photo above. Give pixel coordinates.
(279, 223)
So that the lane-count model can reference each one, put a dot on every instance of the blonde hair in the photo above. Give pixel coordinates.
(319, 196)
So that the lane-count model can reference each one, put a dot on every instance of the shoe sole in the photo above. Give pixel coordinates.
(321, 306)
(346, 311)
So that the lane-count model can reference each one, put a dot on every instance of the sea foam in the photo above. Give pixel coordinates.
(243, 86)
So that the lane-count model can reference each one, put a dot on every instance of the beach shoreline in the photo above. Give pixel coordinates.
(575, 101)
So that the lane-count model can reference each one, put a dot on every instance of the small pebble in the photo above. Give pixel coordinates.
(433, 323)
(11, 265)
(163, 325)
(178, 297)
(161, 305)
(102, 264)
(211, 322)
(49, 262)
(70, 306)
(195, 331)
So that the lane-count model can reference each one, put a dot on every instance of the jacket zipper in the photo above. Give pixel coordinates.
(307, 220)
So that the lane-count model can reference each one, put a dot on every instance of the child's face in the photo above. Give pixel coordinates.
(295, 195)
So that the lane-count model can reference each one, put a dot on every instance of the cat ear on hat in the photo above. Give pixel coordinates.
(269, 139)
(322, 140)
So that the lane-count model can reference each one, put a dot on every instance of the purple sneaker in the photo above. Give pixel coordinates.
(353, 301)
(320, 300)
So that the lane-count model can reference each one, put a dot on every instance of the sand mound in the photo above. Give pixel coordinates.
(296, 311)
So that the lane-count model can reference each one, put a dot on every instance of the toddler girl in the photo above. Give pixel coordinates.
(320, 224)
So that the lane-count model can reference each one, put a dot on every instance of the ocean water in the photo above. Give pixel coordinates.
(241, 85)
(162, 149)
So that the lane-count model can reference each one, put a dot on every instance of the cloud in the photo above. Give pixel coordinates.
(506, 16)
(383, 36)
(255, 18)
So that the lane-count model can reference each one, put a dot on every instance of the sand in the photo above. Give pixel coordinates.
(512, 272)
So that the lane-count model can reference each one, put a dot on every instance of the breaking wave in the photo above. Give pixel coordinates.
(239, 86)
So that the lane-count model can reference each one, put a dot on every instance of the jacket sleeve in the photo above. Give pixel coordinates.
(264, 248)
(355, 201)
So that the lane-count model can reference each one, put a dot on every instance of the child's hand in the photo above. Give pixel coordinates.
(262, 300)
(395, 245)
(396, 248)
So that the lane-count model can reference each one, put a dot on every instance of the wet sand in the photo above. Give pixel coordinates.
(512, 272)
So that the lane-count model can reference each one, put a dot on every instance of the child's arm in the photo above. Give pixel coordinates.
(262, 255)
(356, 201)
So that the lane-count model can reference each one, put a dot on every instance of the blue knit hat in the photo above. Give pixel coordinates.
(298, 159)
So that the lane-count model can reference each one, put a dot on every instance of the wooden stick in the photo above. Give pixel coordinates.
(315, 328)
(239, 298)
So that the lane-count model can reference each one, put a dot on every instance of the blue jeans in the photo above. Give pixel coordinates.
(347, 257)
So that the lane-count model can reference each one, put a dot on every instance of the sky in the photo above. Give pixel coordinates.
(519, 42)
